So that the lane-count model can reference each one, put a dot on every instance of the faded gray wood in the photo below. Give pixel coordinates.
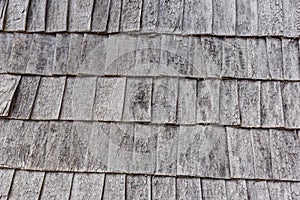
(196, 59)
(145, 149)
(213, 189)
(270, 17)
(80, 15)
(258, 190)
(24, 97)
(100, 15)
(93, 54)
(149, 21)
(257, 59)
(262, 153)
(36, 19)
(61, 53)
(285, 154)
(197, 17)
(113, 24)
(235, 58)
(275, 58)
(295, 190)
(26, 185)
(271, 105)
(279, 190)
(3, 6)
(236, 190)
(167, 142)
(114, 187)
(87, 186)
(57, 186)
(121, 146)
(188, 189)
(291, 63)
(20, 53)
(98, 148)
(240, 153)
(6, 40)
(208, 101)
(57, 13)
(138, 187)
(224, 17)
(186, 113)
(79, 97)
(138, 94)
(16, 13)
(291, 104)
(246, 17)
(249, 101)
(163, 188)
(8, 87)
(49, 98)
(41, 54)
(164, 101)
(202, 152)
(291, 24)
(6, 177)
(229, 106)
(109, 99)
(170, 16)
(74, 56)
(131, 15)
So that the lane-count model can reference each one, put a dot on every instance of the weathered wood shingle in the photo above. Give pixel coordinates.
(188, 188)
(6, 178)
(291, 60)
(36, 19)
(100, 15)
(163, 188)
(15, 16)
(246, 17)
(131, 15)
(138, 187)
(291, 104)
(114, 187)
(3, 6)
(213, 189)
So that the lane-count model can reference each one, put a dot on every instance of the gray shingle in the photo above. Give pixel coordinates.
(100, 15)
(61, 53)
(236, 189)
(36, 19)
(291, 18)
(246, 17)
(196, 66)
(114, 16)
(163, 188)
(16, 13)
(275, 58)
(74, 55)
(295, 189)
(291, 104)
(149, 22)
(291, 63)
(6, 40)
(280, 190)
(6, 178)
(3, 6)
(114, 187)
(131, 15)
(213, 189)
(188, 188)
(57, 15)
(258, 190)
(138, 187)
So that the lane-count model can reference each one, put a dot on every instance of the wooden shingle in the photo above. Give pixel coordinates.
(246, 17)
(15, 16)
(188, 188)
(213, 189)
(6, 178)
(57, 15)
(163, 188)
(131, 15)
(291, 104)
(138, 187)
(114, 187)
(100, 15)
(36, 19)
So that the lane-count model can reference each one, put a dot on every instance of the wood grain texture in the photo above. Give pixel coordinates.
(196, 60)
(167, 142)
(224, 17)
(291, 17)
(197, 17)
(57, 186)
(275, 58)
(6, 178)
(6, 40)
(285, 154)
(114, 187)
(229, 106)
(163, 188)
(131, 15)
(87, 186)
(295, 190)
(164, 103)
(149, 21)
(74, 56)
(258, 190)
(249, 103)
(80, 15)
(49, 98)
(114, 16)
(26, 185)
(61, 53)
(240, 153)
(100, 15)
(236, 189)
(3, 7)
(36, 19)
(188, 189)
(291, 104)
(57, 15)
(213, 189)
(271, 105)
(246, 17)
(291, 63)
(138, 95)
(138, 187)
(186, 113)
(170, 16)
(16, 13)
(208, 101)
(280, 190)
(24, 97)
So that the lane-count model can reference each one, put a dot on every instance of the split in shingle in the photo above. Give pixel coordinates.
(61, 53)
(36, 19)
(6, 178)
(131, 15)
(114, 16)
(57, 13)
(163, 188)
(114, 187)
(236, 189)
(138, 187)
(291, 60)
(6, 40)
(257, 190)
(3, 6)
(291, 104)
(16, 13)
(246, 17)
(275, 58)
(188, 188)
(213, 189)
(149, 22)
(100, 15)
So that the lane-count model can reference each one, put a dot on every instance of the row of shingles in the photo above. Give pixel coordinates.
(41, 185)
(201, 151)
(218, 17)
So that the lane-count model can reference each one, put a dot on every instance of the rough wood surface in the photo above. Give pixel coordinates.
(236, 189)
(80, 15)
(291, 104)
(114, 187)
(271, 105)
(57, 186)
(3, 6)
(167, 142)
(24, 97)
(56, 20)
(291, 60)
(8, 86)
(197, 17)
(36, 19)
(6, 40)
(164, 101)
(131, 15)
(138, 94)
(163, 188)
(16, 13)
(170, 16)
(87, 186)
(100, 15)
(275, 58)
(213, 189)
(74, 55)
(138, 187)
(291, 24)
(279, 190)
(114, 16)
(258, 190)
(224, 17)
(6, 178)
(196, 60)
(186, 113)
(49, 98)
(188, 189)
(61, 53)
(295, 190)
(246, 17)
(240, 153)
(149, 21)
